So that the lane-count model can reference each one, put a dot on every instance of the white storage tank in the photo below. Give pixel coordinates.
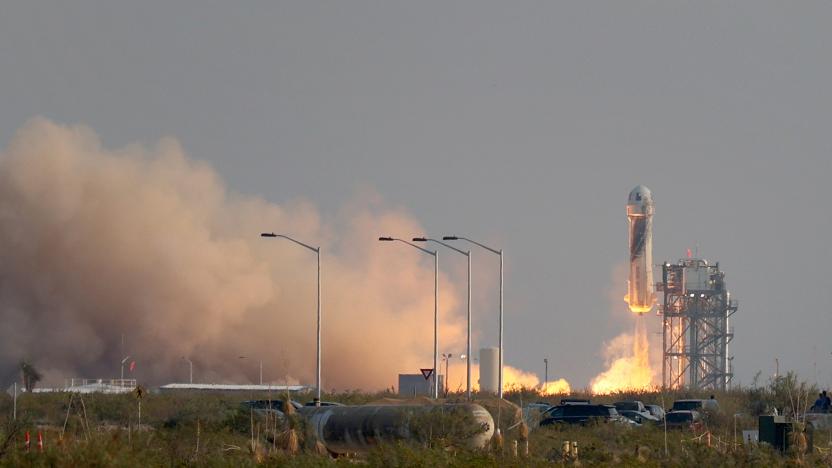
(489, 369)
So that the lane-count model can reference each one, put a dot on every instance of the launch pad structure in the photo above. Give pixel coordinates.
(696, 331)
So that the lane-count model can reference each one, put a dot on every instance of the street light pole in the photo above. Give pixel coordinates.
(435, 255)
(468, 346)
(317, 251)
(447, 370)
(545, 373)
(500, 344)
(190, 369)
(122, 369)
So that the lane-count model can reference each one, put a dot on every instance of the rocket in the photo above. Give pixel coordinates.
(640, 296)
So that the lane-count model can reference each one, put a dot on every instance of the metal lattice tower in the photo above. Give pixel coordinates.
(696, 332)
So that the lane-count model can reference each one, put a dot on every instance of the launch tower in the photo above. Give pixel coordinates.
(695, 312)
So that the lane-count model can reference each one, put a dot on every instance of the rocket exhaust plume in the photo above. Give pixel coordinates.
(629, 364)
(640, 295)
(145, 242)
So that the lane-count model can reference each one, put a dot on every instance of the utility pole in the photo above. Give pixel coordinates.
(435, 255)
(317, 251)
(500, 253)
(436, 266)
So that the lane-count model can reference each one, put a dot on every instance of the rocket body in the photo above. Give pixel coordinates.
(640, 294)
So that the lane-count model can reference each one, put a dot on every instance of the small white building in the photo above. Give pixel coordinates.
(203, 387)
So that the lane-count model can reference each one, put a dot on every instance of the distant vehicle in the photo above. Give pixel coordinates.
(635, 411)
(539, 406)
(822, 421)
(633, 405)
(639, 417)
(656, 411)
(276, 405)
(574, 401)
(695, 405)
(684, 419)
(580, 413)
(269, 408)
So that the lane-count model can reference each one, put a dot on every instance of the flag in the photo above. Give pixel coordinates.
(690, 254)
(132, 366)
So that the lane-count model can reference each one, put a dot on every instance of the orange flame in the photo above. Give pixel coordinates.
(630, 370)
(637, 308)
(513, 379)
(557, 387)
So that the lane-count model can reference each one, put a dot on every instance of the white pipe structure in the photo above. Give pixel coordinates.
(468, 346)
(500, 344)
(317, 251)
(435, 255)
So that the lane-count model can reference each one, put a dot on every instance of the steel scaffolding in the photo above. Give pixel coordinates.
(696, 313)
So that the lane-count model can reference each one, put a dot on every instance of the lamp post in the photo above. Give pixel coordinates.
(190, 369)
(545, 373)
(435, 255)
(447, 358)
(500, 339)
(317, 251)
(122, 369)
(468, 346)
(259, 361)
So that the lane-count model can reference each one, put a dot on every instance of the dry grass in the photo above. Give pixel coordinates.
(215, 430)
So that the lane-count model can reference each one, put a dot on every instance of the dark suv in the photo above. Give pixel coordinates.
(578, 414)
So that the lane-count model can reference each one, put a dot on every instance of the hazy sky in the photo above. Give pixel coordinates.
(522, 124)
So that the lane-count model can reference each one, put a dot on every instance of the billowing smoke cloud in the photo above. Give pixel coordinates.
(148, 243)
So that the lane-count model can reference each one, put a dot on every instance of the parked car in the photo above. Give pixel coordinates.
(269, 404)
(574, 401)
(635, 411)
(684, 419)
(324, 403)
(656, 411)
(821, 421)
(639, 417)
(632, 405)
(579, 414)
(695, 405)
(269, 407)
(539, 406)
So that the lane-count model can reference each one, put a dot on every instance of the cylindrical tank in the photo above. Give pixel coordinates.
(640, 296)
(489, 370)
(352, 429)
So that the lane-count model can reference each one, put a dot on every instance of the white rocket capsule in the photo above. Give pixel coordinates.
(640, 294)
